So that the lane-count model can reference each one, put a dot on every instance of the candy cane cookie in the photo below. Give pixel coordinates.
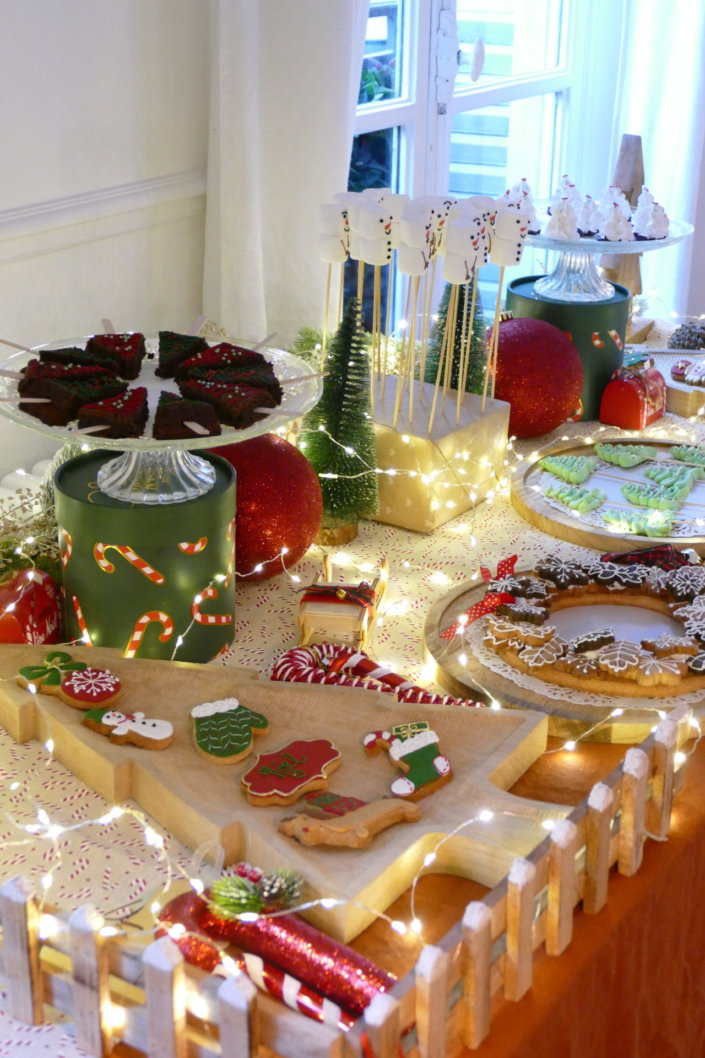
(140, 626)
(130, 556)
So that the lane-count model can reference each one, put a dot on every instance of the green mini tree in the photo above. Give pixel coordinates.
(476, 339)
(338, 435)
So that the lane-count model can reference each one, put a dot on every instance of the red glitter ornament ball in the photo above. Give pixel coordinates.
(278, 504)
(540, 373)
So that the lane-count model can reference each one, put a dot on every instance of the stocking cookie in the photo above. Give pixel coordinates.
(88, 687)
(223, 731)
(281, 777)
(413, 747)
(135, 728)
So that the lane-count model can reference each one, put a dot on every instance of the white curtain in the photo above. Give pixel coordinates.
(284, 86)
(662, 99)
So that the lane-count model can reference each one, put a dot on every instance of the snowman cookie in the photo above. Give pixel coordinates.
(413, 747)
(135, 728)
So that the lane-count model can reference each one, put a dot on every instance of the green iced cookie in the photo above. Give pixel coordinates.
(689, 454)
(575, 497)
(574, 469)
(624, 455)
(640, 523)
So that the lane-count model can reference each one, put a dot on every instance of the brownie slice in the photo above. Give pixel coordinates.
(260, 376)
(219, 356)
(36, 370)
(74, 355)
(175, 348)
(124, 415)
(128, 350)
(235, 405)
(174, 413)
(67, 395)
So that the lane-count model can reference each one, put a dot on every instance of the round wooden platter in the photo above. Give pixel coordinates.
(528, 500)
(463, 674)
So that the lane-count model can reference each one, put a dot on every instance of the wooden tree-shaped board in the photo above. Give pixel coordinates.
(199, 801)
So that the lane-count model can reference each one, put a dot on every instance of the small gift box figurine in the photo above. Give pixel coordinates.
(340, 613)
(635, 395)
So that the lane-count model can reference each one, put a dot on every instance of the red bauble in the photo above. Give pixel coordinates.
(278, 504)
(540, 373)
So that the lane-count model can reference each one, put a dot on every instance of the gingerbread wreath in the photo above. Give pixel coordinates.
(519, 629)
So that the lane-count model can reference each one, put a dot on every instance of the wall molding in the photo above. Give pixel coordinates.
(56, 224)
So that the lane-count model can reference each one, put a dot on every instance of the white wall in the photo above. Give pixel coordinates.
(103, 130)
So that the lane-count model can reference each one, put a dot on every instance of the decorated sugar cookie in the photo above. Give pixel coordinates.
(223, 731)
(354, 829)
(135, 728)
(47, 675)
(281, 777)
(413, 747)
(87, 687)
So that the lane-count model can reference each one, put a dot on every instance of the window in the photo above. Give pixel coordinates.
(435, 117)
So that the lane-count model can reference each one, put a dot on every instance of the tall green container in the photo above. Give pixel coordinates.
(598, 330)
(141, 577)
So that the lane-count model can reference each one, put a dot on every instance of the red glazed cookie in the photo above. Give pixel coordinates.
(281, 777)
(86, 688)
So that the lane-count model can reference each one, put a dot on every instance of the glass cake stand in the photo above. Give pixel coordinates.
(575, 277)
(146, 470)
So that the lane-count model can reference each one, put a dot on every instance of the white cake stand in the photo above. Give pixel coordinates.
(149, 471)
(575, 277)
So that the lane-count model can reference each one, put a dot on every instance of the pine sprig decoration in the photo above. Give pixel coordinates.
(476, 339)
(249, 890)
(338, 435)
(28, 536)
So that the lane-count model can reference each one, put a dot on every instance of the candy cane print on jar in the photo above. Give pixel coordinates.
(141, 580)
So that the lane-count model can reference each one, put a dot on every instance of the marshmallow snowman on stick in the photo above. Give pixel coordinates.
(510, 229)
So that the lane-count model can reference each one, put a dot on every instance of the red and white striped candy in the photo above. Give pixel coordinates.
(130, 556)
(85, 636)
(140, 626)
(65, 546)
(208, 618)
(193, 549)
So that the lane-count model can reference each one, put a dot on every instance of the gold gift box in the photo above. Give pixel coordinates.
(441, 474)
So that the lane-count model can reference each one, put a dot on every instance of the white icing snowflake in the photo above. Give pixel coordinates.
(93, 682)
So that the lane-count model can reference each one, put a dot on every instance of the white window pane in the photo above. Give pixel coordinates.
(519, 36)
(382, 65)
(493, 147)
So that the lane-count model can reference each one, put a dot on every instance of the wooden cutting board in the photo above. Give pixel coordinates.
(198, 801)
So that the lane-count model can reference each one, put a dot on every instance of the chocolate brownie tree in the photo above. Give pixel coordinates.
(338, 435)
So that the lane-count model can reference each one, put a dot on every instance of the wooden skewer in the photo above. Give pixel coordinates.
(302, 378)
(265, 341)
(25, 400)
(90, 429)
(10, 374)
(492, 354)
(197, 324)
(14, 345)
(198, 428)
(108, 327)
(495, 333)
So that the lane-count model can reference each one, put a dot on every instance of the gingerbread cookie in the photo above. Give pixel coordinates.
(88, 687)
(413, 747)
(563, 573)
(223, 731)
(134, 728)
(46, 677)
(281, 777)
(354, 829)
(524, 610)
(593, 640)
(666, 645)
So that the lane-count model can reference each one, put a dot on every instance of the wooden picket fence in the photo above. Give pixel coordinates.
(117, 989)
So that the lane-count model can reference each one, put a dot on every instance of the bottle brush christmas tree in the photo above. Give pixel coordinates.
(463, 334)
(338, 435)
